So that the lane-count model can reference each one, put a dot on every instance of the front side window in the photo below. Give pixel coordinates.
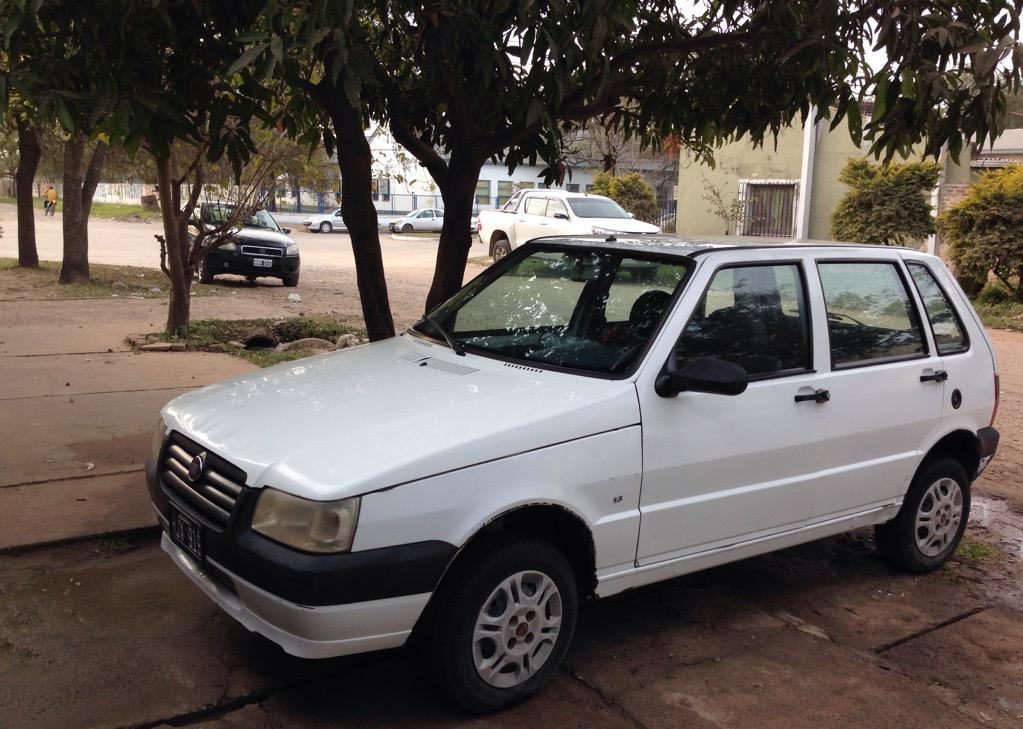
(555, 206)
(753, 316)
(949, 334)
(870, 314)
(586, 310)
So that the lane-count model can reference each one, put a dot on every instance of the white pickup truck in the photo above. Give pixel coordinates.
(530, 214)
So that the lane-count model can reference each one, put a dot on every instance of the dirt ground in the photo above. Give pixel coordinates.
(98, 629)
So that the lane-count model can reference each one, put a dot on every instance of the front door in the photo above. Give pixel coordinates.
(719, 470)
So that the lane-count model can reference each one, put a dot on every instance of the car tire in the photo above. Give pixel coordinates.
(205, 272)
(928, 527)
(476, 588)
(407, 228)
(501, 249)
(290, 280)
(326, 227)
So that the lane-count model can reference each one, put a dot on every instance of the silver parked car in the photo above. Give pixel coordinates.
(428, 219)
(326, 222)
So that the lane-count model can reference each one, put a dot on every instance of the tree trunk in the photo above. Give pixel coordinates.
(75, 266)
(175, 234)
(459, 192)
(80, 184)
(29, 154)
(355, 161)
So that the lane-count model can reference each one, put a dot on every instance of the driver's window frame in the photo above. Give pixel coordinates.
(805, 303)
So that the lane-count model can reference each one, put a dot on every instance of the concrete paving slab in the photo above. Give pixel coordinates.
(59, 510)
(978, 661)
(53, 438)
(111, 634)
(59, 375)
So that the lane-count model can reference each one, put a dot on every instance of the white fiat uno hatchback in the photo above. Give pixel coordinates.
(585, 417)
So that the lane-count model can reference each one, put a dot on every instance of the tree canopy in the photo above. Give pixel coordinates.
(985, 229)
(885, 204)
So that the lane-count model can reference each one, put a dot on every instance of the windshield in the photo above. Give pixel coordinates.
(596, 207)
(590, 310)
(261, 219)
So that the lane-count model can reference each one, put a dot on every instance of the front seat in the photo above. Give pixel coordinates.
(646, 311)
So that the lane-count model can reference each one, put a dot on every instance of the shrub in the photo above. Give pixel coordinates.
(993, 294)
(631, 191)
(985, 229)
(888, 205)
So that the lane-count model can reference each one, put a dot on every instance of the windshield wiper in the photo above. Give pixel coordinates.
(455, 345)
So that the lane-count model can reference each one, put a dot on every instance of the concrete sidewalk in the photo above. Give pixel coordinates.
(77, 412)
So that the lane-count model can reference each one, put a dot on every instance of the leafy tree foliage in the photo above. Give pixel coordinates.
(885, 204)
(985, 229)
(631, 191)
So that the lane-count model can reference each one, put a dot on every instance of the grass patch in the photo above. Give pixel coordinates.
(98, 210)
(972, 550)
(480, 260)
(214, 335)
(1003, 315)
(419, 234)
(137, 282)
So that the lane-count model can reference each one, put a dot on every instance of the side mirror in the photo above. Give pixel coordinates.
(561, 216)
(632, 215)
(703, 374)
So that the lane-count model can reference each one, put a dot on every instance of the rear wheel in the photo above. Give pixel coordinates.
(205, 271)
(326, 227)
(931, 521)
(502, 622)
(501, 249)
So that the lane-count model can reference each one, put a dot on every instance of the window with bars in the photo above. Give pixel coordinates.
(505, 188)
(382, 188)
(483, 192)
(768, 207)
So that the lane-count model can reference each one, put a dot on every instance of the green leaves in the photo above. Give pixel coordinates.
(887, 205)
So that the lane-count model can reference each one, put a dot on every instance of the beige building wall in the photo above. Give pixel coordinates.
(834, 148)
(734, 162)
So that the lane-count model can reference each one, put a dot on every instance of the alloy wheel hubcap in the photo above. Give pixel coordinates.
(517, 629)
(938, 517)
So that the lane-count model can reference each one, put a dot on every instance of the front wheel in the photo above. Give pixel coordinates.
(326, 227)
(290, 280)
(205, 272)
(407, 228)
(503, 623)
(928, 527)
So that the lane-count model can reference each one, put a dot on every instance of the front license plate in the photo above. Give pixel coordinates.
(185, 533)
(263, 262)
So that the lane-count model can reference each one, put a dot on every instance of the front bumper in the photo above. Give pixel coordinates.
(242, 264)
(306, 632)
(312, 605)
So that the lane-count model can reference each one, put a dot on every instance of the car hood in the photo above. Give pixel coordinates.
(383, 414)
(262, 237)
(621, 225)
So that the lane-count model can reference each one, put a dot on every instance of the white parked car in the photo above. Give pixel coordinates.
(326, 223)
(585, 417)
(531, 214)
(423, 219)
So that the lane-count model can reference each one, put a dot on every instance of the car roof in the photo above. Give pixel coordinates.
(691, 247)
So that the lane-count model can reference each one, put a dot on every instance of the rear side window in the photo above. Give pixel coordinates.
(755, 317)
(871, 317)
(949, 334)
(535, 205)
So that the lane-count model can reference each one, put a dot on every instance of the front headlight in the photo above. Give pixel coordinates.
(228, 247)
(292, 249)
(158, 435)
(312, 526)
(602, 231)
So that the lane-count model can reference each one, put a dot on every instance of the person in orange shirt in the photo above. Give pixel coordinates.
(49, 201)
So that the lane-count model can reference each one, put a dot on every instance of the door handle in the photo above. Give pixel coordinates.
(815, 396)
(939, 376)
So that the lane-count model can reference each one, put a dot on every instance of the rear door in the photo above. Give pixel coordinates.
(531, 221)
(885, 393)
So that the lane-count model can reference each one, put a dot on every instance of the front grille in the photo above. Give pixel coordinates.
(214, 492)
(260, 251)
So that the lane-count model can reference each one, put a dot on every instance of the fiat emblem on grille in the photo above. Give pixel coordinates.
(196, 467)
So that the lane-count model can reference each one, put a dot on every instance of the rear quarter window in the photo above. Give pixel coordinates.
(949, 334)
